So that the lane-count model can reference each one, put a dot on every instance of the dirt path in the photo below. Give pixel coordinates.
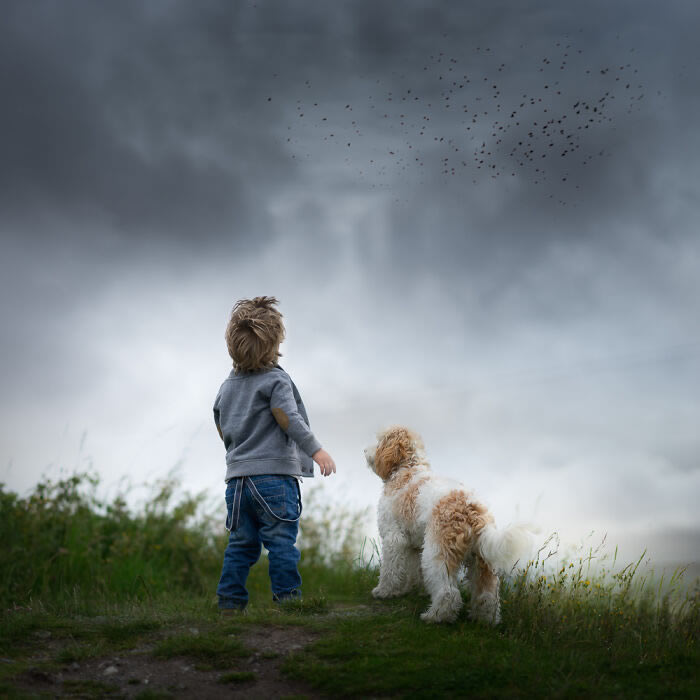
(135, 671)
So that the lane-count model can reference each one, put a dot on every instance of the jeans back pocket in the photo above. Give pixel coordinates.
(279, 495)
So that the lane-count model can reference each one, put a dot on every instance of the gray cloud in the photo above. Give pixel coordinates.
(118, 123)
(156, 122)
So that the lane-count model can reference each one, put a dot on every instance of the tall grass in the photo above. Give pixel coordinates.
(62, 538)
(63, 543)
(589, 601)
(103, 575)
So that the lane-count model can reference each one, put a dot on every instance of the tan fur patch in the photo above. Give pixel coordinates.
(456, 521)
(397, 481)
(281, 417)
(488, 581)
(398, 447)
(405, 502)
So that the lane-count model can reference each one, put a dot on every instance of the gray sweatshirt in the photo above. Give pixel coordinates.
(264, 425)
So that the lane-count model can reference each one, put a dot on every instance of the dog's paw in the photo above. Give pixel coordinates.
(439, 616)
(488, 617)
(379, 592)
(445, 609)
(428, 616)
(485, 608)
(431, 616)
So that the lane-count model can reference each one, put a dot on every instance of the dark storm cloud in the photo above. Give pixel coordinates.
(131, 128)
(168, 119)
(132, 119)
(636, 157)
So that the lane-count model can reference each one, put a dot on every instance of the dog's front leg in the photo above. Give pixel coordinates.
(396, 576)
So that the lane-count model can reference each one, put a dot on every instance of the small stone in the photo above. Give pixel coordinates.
(194, 631)
(110, 671)
(75, 665)
(42, 634)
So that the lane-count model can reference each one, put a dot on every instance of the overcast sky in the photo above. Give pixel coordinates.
(481, 219)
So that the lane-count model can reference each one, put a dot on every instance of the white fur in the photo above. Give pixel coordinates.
(411, 555)
(503, 549)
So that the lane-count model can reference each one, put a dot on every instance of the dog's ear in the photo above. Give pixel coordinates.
(393, 449)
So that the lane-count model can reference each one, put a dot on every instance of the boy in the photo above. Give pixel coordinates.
(262, 420)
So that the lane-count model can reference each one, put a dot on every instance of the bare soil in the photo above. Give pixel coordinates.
(131, 673)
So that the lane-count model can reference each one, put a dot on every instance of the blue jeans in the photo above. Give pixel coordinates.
(261, 510)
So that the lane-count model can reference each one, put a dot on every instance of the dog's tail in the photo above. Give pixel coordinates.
(504, 549)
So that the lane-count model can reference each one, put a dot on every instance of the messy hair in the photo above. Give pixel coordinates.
(254, 333)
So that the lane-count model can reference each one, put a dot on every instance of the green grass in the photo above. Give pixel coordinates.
(237, 677)
(392, 652)
(313, 605)
(127, 631)
(150, 694)
(62, 542)
(83, 579)
(216, 649)
(89, 689)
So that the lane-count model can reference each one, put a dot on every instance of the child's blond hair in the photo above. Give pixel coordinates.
(254, 333)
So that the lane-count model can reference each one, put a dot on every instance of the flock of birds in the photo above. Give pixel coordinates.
(473, 116)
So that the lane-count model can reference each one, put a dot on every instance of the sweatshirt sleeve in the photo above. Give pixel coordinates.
(217, 419)
(286, 412)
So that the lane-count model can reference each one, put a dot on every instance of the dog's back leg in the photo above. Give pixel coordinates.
(440, 579)
(485, 605)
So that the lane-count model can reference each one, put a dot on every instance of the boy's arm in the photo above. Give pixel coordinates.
(216, 415)
(284, 409)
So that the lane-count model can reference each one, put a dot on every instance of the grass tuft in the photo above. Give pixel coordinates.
(314, 605)
(237, 677)
(214, 649)
(128, 631)
(89, 689)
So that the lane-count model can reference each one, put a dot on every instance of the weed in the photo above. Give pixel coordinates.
(314, 605)
(62, 541)
(215, 650)
(89, 689)
(124, 632)
(237, 677)
(77, 652)
(151, 694)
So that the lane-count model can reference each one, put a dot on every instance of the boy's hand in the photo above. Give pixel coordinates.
(325, 462)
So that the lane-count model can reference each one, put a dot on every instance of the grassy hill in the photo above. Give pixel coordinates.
(100, 601)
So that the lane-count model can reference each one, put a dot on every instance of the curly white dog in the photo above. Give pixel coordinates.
(431, 526)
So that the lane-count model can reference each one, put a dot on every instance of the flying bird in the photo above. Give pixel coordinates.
(434, 113)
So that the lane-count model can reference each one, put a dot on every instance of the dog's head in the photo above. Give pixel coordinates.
(394, 448)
